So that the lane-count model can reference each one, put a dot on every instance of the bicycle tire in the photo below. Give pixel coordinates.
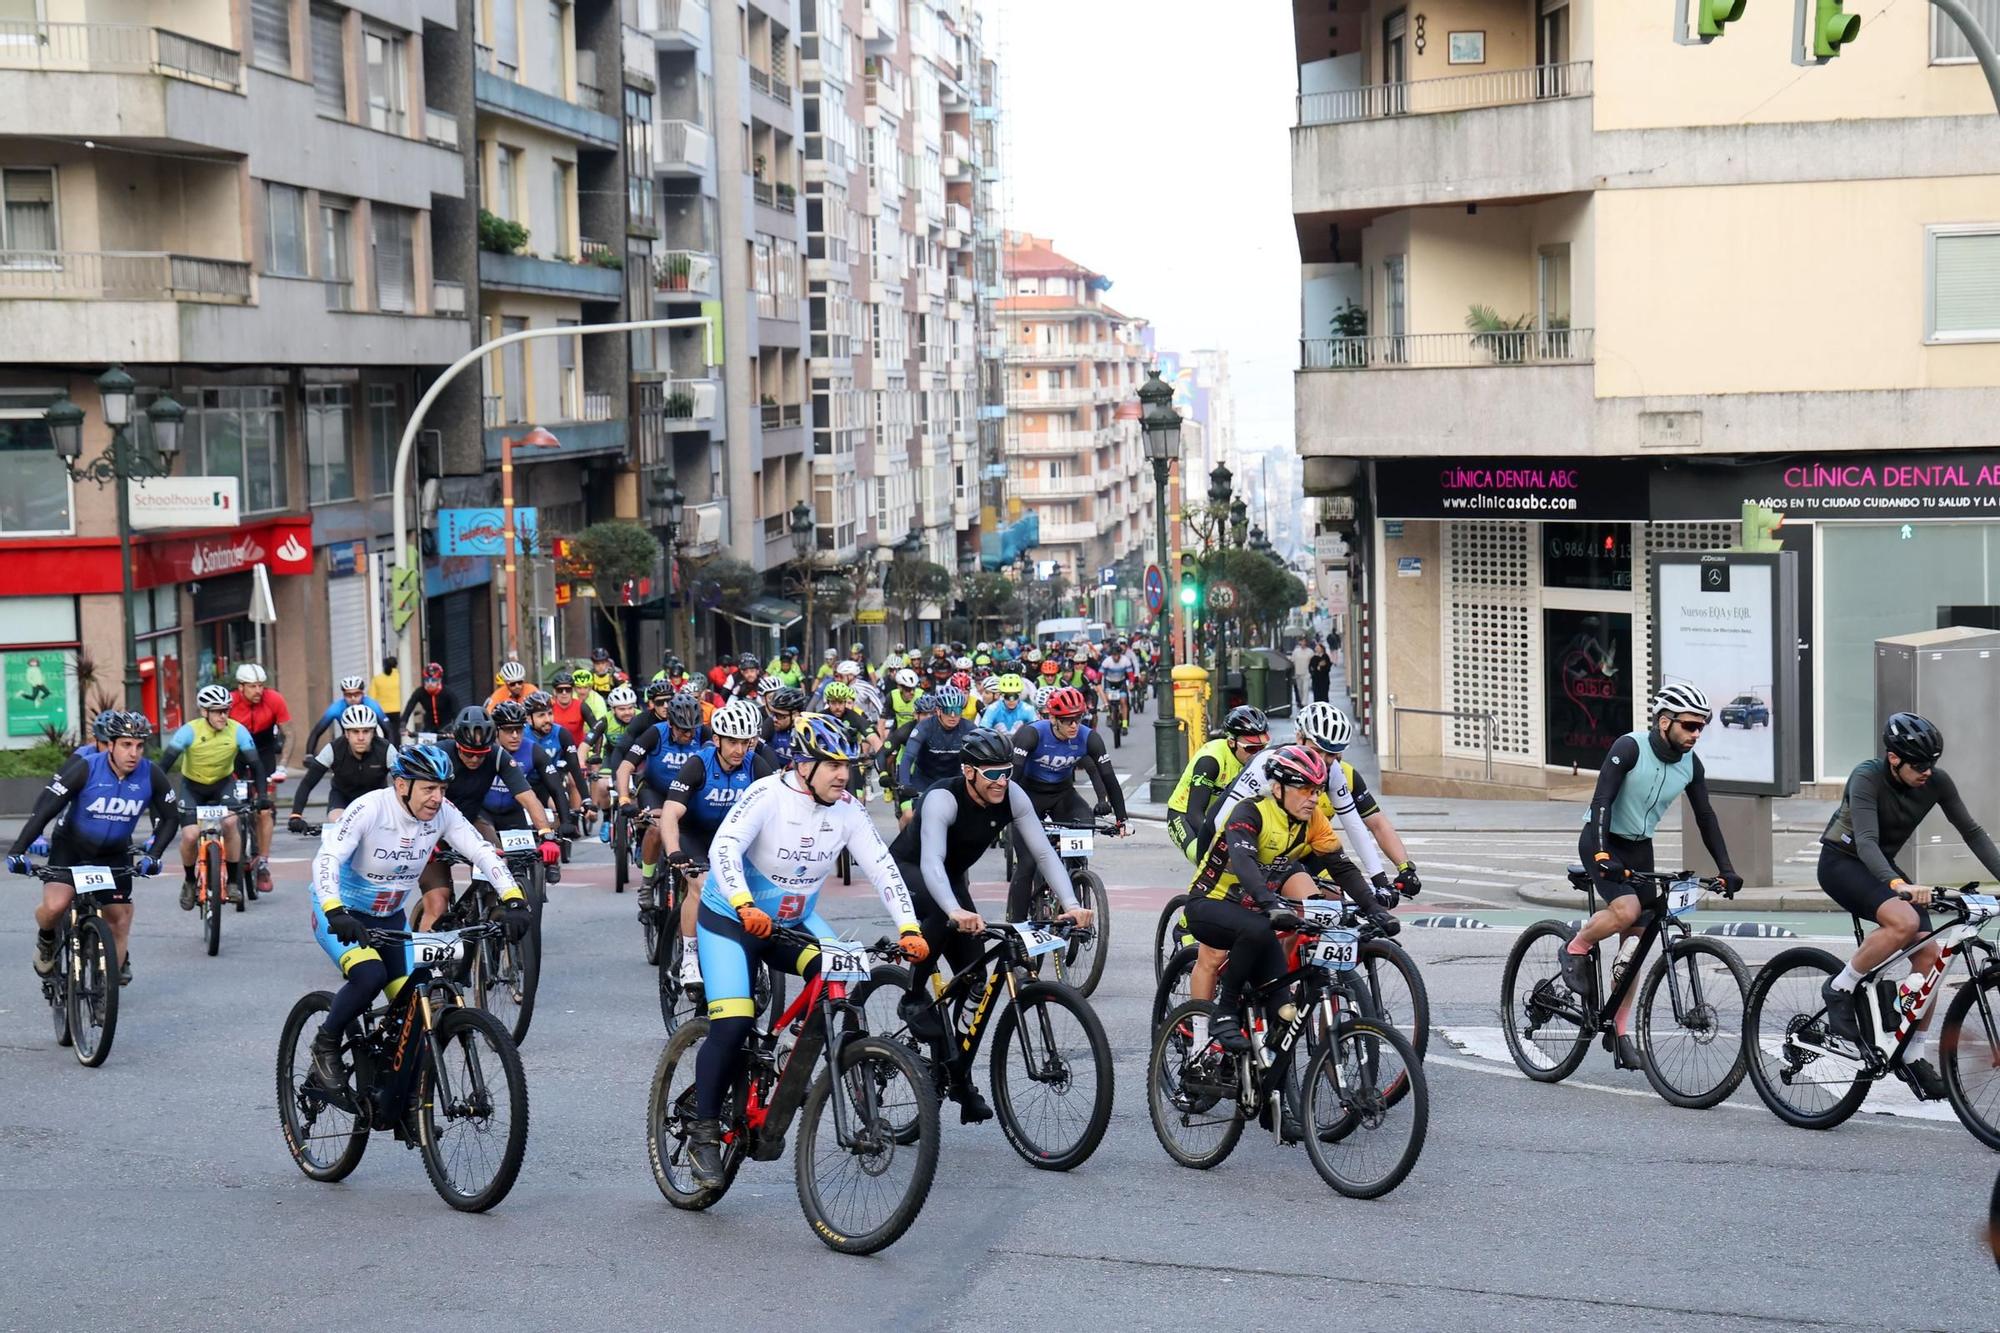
(1166, 1099)
(93, 992)
(1082, 965)
(517, 1010)
(1173, 989)
(1358, 1107)
(649, 929)
(298, 1133)
(1043, 996)
(663, 1115)
(1378, 954)
(678, 1002)
(1707, 1026)
(212, 893)
(621, 851)
(59, 981)
(1762, 1048)
(1981, 1119)
(454, 1025)
(1554, 1064)
(1169, 937)
(880, 1001)
(886, 1232)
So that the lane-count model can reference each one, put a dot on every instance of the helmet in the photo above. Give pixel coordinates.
(857, 647)
(684, 713)
(352, 683)
(423, 763)
(359, 717)
(582, 678)
(982, 659)
(986, 746)
(907, 679)
(249, 674)
(837, 693)
(789, 651)
(100, 726)
(1011, 683)
(817, 736)
(434, 671)
(951, 699)
(788, 699)
(1680, 698)
(538, 702)
(749, 662)
(507, 713)
(1325, 726)
(600, 654)
(848, 667)
(621, 696)
(962, 663)
(128, 726)
(1066, 702)
(658, 689)
(1912, 739)
(512, 673)
(1297, 766)
(473, 729)
(1032, 655)
(961, 679)
(1243, 720)
(939, 669)
(211, 696)
(926, 702)
(769, 685)
(1051, 670)
(989, 685)
(739, 720)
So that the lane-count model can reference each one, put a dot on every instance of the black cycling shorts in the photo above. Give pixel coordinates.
(198, 793)
(121, 877)
(338, 798)
(1853, 885)
(1633, 854)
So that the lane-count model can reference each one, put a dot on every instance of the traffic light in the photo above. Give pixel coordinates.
(1832, 27)
(1760, 528)
(1712, 15)
(1190, 582)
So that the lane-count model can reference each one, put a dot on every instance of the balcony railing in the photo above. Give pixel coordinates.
(492, 411)
(684, 19)
(591, 97)
(684, 271)
(596, 252)
(118, 48)
(684, 400)
(596, 407)
(76, 275)
(775, 195)
(1460, 92)
(1074, 395)
(681, 145)
(770, 85)
(441, 127)
(782, 416)
(1052, 486)
(1502, 347)
(448, 298)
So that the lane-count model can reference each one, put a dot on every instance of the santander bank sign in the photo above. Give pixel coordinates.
(283, 544)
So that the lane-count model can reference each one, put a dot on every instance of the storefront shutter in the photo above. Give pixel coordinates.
(347, 625)
(1491, 634)
(451, 640)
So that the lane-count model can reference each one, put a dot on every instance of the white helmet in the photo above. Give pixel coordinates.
(211, 696)
(358, 717)
(1680, 698)
(893, 662)
(622, 697)
(249, 674)
(1039, 696)
(989, 685)
(961, 664)
(739, 719)
(511, 673)
(769, 685)
(352, 683)
(848, 667)
(907, 679)
(1325, 726)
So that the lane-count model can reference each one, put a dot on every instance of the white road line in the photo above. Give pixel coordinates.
(1430, 865)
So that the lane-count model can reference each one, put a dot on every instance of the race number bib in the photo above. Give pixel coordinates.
(1076, 842)
(92, 879)
(1683, 897)
(1337, 950)
(1324, 910)
(516, 840)
(1980, 906)
(1037, 939)
(842, 960)
(435, 950)
(211, 814)
(427, 738)
(242, 790)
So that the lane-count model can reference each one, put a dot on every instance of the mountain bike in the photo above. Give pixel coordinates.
(1692, 1043)
(441, 1076)
(877, 1139)
(1361, 1105)
(1815, 1080)
(212, 882)
(82, 990)
(628, 834)
(1119, 712)
(502, 976)
(1081, 962)
(1051, 1069)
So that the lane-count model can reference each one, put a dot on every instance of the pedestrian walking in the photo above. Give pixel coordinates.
(1320, 667)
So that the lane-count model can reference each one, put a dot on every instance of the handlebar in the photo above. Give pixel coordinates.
(1108, 827)
(58, 874)
(477, 930)
(883, 948)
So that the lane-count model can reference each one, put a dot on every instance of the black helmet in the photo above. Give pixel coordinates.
(1243, 720)
(748, 662)
(129, 726)
(658, 689)
(473, 730)
(986, 746)
(789, 699)
(684, 713)
(507, 713)
(1913, 739)
(538, 702)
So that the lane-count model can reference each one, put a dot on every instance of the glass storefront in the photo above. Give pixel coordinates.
(156, 626)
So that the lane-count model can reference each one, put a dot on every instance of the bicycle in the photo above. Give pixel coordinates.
(1115, 705)
(503, 975)
(211, 876)
(1361, 1079)
(1815, 1080)
(1693, 1047)
(1082, 962)
(82, 989)
(884, 1121)
(1067, 1075)
(401, 1076)
(628, 832)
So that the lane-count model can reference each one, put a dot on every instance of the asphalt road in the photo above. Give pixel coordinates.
(156, 1191)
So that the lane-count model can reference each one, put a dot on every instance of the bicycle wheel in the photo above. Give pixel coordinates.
(505, 979)
(58, 983)
(212, 893)
(1082, 963)
(1547, 1026)
(859, 1196)
(649, 924)
(1693, 1040)
(1176, 985)
(1191, 1093)
(1396, 987)
(621, 851)
(473, 1112)
(1362, 1140)
(678, 1002)
(1053, 1099)
(1170, 933)
(1800, 1077)
(669, 1107)
(1970, 1054)
(326, 1141)
(93, 991)
(880, 999)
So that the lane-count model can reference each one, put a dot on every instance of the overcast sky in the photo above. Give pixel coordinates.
(1151, 143)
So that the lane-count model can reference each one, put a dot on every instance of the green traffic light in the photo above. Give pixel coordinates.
(1188, 594)
(1833, 28)
(1713, 14)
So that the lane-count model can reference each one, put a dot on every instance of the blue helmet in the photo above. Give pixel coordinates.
(423, 763)
(817, 736)
(100, 726)
(950, 699)
(926, 703)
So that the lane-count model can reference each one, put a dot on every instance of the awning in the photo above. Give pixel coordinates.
(767, 613)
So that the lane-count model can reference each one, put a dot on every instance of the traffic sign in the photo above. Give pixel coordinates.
(1156, 589)
(1222, 596)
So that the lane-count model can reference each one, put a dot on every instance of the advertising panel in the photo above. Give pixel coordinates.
(1587, 688)
(1726, 622)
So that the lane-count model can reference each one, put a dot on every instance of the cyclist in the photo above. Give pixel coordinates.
(603, 671)
(900, 701)
(360, 760)
(958, 821)
(353, 690)
(1643, 773)
(1192, 809)
(840, 701)
(1885, 799)
(559, 754)
(657, 750)
(1047, 755)
(785, 666)
(767, 862)
(511, 685)
(431, 708)
(208, 750)
(492, 792)
(701, 795)
(931, 752)
(749, 671)
(263, 712)
(363, 874)
(548, 775)
(781, 706)
(1010, 712)
(90, 808)
(607, 737)
(1118, 672)
(566, 710)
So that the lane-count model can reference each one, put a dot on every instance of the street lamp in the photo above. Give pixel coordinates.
(123, 462)
(1161, 426)
(802, 525)
(536, 438)
(668, 503)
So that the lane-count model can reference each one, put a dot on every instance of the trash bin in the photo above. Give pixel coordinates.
(1191, 706)
(1268, 676)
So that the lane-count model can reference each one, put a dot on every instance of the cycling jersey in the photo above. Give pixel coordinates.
(544, 773)
(517, 693)
(1253, 782)
(777, 846)
(931, 753)
(1640, 779)
(1254, 835)
(1116, 667)
(569, 717)
(1006, 717)
(207, 755)
(352, 774)
(708, 792)
(370, 860)
(99, 810)
(952, 831)
(1218, 772)
(903, 705)
(1365, 803)
(430, 710)
(261, 718)
(471, 783)
(658, 752)
(1047, 766)
(1878, 814)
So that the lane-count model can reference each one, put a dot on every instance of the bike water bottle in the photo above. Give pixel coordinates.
(1623, 961)
(1910, 995)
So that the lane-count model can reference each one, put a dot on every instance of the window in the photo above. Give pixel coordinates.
(329, 58)
(239, 433)
(570, 390)
(385, 435)
(284, 230)
(36, 496)
(28, 215)
(336, 270)
(508, 162)
(271, 34)
(1963, 294)
(1948, 44)
(559, 201)
(506, 38)
(393, 258)
(329, 442)
(386, 103)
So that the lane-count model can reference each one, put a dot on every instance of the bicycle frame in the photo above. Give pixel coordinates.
(384, 1092)
(1599, 1019)
(995, 961)
(1887, 1046)
(766, 1121)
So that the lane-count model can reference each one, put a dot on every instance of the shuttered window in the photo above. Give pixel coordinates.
(329, 58)
(28, 213)
(1964, 284)
(393, 258)
(1948, 44)
(271, 34)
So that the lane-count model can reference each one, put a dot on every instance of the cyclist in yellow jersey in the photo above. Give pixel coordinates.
(208, 751)
(1214, 766)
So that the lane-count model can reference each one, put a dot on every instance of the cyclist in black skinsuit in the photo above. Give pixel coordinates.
(359, 760)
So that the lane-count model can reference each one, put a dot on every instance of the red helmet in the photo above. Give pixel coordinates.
(1051, 669)
(963, 680)
(1069, 702)
(1297, 766)
(434, 671)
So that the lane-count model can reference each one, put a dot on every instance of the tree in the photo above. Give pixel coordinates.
(1266, 592)
(910, 584)
(989, 597)
(614, 553)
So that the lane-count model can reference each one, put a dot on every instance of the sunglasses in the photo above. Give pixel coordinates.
(996, 774)
(514, 727)
(1252, 743)
(1919, 765)
(1694, 728)
(474, 756)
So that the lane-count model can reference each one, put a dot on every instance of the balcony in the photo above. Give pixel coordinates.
(1066, 397)
(117, 48)
(575, 439)
(776, 305)
(1049, 488)
(782, 416)
(494, 89)
(778, 195)
(681, 148)
(682, 404)
(1507, 347)
(69, 275)
(1500, 134)
(441, 128)
(1049, 444)
(769, 85)
(676, 25)
(684, 275)
(550, 277)
(1069, 532)
(448, 299)
(123, 81)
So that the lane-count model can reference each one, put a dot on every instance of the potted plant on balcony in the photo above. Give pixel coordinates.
(679, 406)
(1350, 327)
(670, 273)
(499, 235)
(1506, 341)
(786, 194)
(606, 257)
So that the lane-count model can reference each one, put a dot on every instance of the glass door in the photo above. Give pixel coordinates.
(1552, 49)
(1395, 65)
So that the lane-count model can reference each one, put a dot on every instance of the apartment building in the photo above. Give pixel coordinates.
(237, 201)
(1075, 458)
(1575, 289)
